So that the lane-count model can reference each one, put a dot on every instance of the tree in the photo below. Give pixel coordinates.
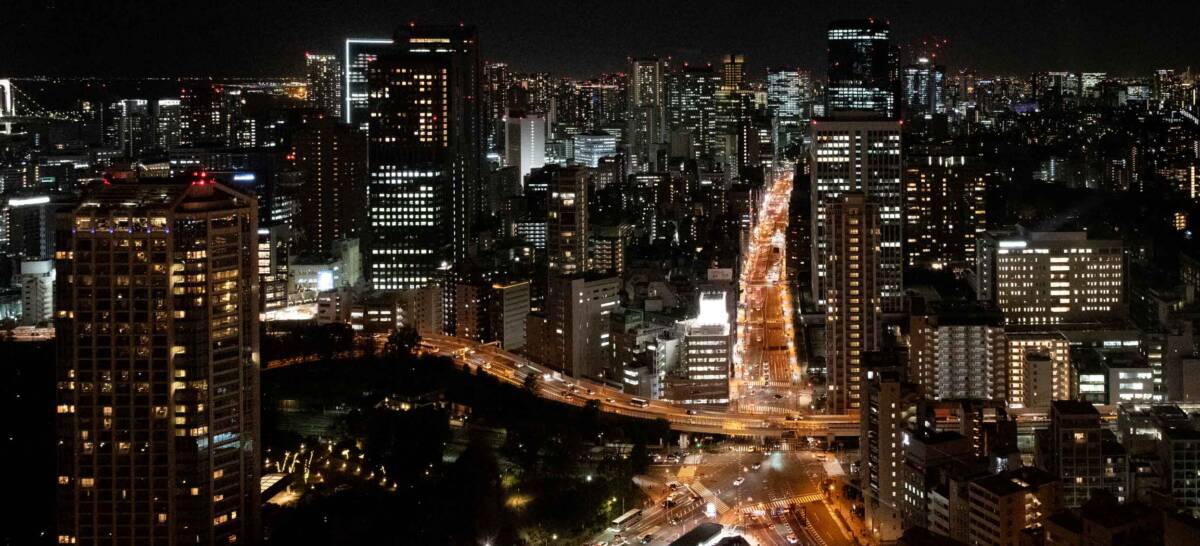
(401, 342)
(532, 383)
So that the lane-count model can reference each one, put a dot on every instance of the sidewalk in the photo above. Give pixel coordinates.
(851, 526)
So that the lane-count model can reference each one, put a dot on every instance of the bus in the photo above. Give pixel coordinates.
(638, 402)
(626, 520)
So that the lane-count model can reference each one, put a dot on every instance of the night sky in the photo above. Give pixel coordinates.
(581, 38)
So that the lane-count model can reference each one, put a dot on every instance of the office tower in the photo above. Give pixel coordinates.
(693, 111)
(923, 89)
(958, 351)
(166, 123)
(492, 311)
(358, 56)
(573, 334)
(31, 228)
(272, 253)
(591, 146)
(135, 129)
(1004, 505)
(567, 221)
(425, 149)
(206, 115)
(497, 98)
(799, 237)
(36, 281)
(945, 209)
(861, 68)
(1051, 278)
(705, 351)
(158, 392)
(1039, 369)
(889, 409)
(789, 97)
(852, 307)
(733, 72)
(647, 112)
(323, 77)
(860, 156)
(332, 159)
(1083, 454)
(525, 141)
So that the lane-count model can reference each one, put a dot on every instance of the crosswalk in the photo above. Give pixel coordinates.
(708, 496)
(785, 503)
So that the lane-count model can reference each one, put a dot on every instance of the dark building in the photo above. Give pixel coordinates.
(862, 68)
(157, 381)
(332, 160)
(426, 146)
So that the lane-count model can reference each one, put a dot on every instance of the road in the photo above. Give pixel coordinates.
(513, 369)
(768, 375)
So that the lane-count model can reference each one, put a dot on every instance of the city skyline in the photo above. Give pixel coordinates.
(1091, 36)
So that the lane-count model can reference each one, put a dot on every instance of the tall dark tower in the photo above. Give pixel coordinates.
(426, 146)
(157, 387)
(862, 68)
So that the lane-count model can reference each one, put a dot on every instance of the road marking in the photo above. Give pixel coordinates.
(708, 496)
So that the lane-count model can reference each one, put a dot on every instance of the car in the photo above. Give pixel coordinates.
(793, 539)
(591, 392)
(778, 396)
(739, 481)
(610, 400)
(692, 412)
(756, 466)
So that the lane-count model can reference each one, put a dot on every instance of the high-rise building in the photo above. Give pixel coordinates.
(923, 89)
(206, 115)
(497, 96)
(332, 159)
(852, 308)
(525, 141)
(789, 104)
(323, 77)
(702, 377)
(166, 123)
(425, 149)
(1082, 453)
(567, 221)
(888, 412)
(860, 156)
(693, 110)
(135, 128)
(958, 351)
(733, 72)
(1051, 278)
(158, 391)
(862, 66)
(647, 112)
(358, 56)
(945, 209)
(36, 281)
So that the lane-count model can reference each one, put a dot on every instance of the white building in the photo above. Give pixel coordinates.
(525, 141)
(37, 291)
(706, 349)
(590, 147)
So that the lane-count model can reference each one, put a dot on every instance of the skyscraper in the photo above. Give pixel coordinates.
(323, 76)
(789, 97)
(693, 109)
(566, 221)
(332, 158)
(945, 209)
(923, 89)
(166, 123)
(852, 306)
(733, 72)
(359, 54)
(706, 350)
(525, 141)
(861, 68)
(206, 117)
(158, 392)
(647, 113)
(425, 148)
(862, 156)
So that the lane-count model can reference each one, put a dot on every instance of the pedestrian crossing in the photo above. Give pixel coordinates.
(708, 496)
(785, 503)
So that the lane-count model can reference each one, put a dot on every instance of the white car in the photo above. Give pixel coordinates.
(739, 481)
